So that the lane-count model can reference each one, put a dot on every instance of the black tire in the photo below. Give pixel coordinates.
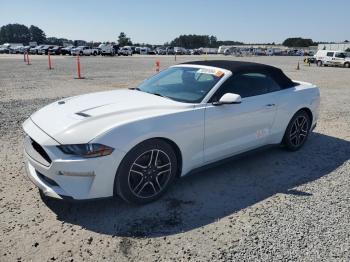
(146, 172)
(319, 63)
(297, 131)
(347, 65)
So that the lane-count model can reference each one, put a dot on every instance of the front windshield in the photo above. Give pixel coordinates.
(184, 84)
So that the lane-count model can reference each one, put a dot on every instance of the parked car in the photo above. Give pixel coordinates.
(67, 50)
(26, 49)
(84, 50)
(56, 50)
(126, 51)
(106, 49)
(196, 52)
(179, 50)
(170, 50)
(36, 50)
(273, 51)
(5, 49)
(160, 51)
(134, 143)
(137, 50)
(228, 51)
(16, 50)
(332, 58)
(152, 51)
(45, 49)
(145, 51)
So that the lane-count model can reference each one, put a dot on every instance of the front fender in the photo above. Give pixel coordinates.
(185, 129)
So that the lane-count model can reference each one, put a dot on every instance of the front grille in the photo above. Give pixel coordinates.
(38, 148)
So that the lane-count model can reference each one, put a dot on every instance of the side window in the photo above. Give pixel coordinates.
(330, 54)
(340, 55)
(247, 85)
(261, 83)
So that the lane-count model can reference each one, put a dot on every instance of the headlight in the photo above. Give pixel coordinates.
(86, 150)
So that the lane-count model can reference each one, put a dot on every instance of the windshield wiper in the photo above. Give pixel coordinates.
(135, 88)
(157, 94)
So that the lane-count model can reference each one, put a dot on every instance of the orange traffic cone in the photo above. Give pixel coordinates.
(157, 66)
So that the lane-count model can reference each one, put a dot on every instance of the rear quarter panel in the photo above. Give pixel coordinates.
(290, 101)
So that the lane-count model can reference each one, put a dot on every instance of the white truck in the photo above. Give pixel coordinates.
(106, 49)
(332, 58)
(85, 50)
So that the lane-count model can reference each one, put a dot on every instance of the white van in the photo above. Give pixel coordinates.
(332, 58)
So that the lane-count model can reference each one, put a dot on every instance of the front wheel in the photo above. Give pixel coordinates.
(297, 131)
(319, 63)
(146, 172)
(347, 65)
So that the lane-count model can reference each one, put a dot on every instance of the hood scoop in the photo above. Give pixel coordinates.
(83, 114)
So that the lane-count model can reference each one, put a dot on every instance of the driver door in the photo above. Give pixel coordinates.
(235, 128)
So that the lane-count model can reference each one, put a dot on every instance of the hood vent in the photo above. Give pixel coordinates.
(82, 114)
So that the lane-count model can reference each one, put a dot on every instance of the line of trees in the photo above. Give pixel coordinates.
(298, 42)
(196, 41)
(17, 33)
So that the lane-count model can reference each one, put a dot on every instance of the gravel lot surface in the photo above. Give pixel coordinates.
(270, 206)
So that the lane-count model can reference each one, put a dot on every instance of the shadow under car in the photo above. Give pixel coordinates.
(204, 197)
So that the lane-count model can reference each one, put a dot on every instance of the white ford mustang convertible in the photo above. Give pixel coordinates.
(134, 142)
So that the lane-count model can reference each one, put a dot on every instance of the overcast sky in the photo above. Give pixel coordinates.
(159, 21)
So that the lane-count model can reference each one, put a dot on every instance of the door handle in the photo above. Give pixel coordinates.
(270, 105)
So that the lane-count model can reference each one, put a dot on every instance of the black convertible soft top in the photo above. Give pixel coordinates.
(249, 67)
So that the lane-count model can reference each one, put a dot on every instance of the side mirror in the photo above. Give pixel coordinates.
(228, 98)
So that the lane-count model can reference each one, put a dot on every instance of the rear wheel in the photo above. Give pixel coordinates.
(297, 131)
(146, 172)
(347, 65)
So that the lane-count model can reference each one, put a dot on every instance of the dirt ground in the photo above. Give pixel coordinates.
(269, 206)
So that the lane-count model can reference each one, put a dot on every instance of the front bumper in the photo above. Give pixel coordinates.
(69, 176)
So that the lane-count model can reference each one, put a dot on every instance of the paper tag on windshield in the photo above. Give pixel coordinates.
(210, 71)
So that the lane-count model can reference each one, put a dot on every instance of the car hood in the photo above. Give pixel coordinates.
(80, 119)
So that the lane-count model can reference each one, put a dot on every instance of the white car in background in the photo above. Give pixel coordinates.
(134, 143)
(106, 49)
(125, 51)
(332, 58)
(84, 50)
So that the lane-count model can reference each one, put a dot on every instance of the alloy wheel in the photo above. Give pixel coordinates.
(299, 131)
(150, 173)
